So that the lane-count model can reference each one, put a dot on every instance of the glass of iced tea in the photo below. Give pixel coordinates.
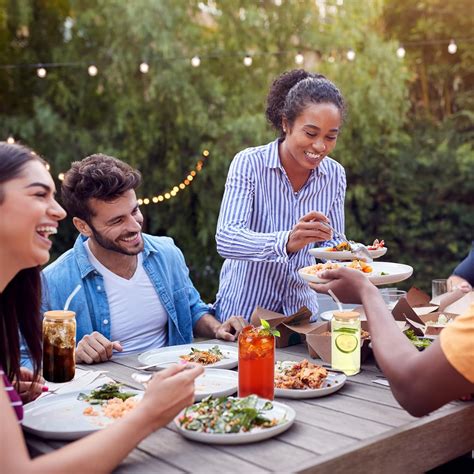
(59, 343)
(256, 362)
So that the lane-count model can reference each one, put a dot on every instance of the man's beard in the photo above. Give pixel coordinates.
(108, 244)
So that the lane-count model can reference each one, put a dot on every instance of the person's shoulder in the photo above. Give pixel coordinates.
(160, 243)
(62, 264)
(332, 166)
(255, 155)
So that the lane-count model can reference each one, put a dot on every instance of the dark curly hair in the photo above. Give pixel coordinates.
(97, 176)
(292, 91)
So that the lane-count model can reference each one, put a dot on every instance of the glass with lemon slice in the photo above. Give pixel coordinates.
(345, 342)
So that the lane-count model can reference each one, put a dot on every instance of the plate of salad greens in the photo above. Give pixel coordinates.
(77, 414)
(216, 356)
(229, 420)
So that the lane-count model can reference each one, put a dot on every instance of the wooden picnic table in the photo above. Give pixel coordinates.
(359, 429)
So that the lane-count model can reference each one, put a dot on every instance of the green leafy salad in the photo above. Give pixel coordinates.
(418, 342)
(104, 393)
(227, 415)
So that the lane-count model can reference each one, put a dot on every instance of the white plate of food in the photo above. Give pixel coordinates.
(305, 380)
(343, 252)
(209, 355)
(253, 419)
(379, 273)
(71, 416)
(216, 382)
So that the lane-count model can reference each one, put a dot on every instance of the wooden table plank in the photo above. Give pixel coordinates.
(421, 446)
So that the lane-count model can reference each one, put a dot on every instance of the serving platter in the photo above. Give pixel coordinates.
(383, 273)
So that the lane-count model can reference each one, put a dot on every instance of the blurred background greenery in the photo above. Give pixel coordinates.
(407, 144)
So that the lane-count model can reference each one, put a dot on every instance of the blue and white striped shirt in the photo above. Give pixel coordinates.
(258, 211)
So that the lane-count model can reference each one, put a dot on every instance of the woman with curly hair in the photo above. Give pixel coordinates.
(279, 199)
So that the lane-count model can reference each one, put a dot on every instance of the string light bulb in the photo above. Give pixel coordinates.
(351, 55)
(195, 61)
(10, 140)
(299, 58)
(41, 72)
(452, 47)
(146, 201)
(61, 176)
(401, 52)
(92, 70)
(248, 60)
(331, 59)
(144, 68)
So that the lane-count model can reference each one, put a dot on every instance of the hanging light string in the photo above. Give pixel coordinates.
(247, 58)
(174, 190)
(158, 198)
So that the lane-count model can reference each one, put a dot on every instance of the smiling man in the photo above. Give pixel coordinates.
(136, 292)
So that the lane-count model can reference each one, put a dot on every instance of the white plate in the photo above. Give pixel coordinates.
(216, 382)
(165, 356)
(279, 411)
(333, 383)
(395, 272)
(323, 253)
(61, 416)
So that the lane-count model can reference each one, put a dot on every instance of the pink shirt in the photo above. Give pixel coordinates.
(15, 400)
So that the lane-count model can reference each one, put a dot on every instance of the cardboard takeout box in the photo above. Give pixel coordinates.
(292, 328)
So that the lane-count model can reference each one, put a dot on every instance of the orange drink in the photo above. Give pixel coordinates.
(256, 363)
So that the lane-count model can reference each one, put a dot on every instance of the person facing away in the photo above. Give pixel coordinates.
(420, 381)
(279, 199)
(136, 292)
(29, 215)
(463, 274)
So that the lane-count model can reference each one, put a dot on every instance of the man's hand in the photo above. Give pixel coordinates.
(346, 283)
(28, 388)
(310, 228)
(457, 283)
(94, 348)
(229, 330)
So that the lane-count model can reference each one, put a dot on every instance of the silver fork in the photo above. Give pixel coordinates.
(358, 250)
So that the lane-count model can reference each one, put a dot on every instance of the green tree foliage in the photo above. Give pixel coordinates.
(161, 121)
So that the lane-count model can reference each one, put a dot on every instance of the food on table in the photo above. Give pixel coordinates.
(363, 334)
(441, 321)
(419, 343)
(299, 375)
(257, 360)
(376, 245)
(346, 246)
(227, 415)
(105, 392)
(213, 355)
(113, 408)
(319, 267)
(114, 403)
(343, 246)
(360, 265)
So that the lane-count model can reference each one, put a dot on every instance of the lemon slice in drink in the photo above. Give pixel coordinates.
(346, 343)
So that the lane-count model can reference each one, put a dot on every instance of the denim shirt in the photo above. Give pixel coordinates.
(165, 266)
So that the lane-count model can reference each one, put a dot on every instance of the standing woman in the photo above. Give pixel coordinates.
(29, 215)
(278, 199)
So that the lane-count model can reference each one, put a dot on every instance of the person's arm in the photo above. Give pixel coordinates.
(209, 326)
(234, 237)
(456, 282)
(420, 381)
(167, 394)
(465, 270)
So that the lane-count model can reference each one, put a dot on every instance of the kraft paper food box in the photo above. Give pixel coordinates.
(319, 346)
(417, 310)
(292, 328)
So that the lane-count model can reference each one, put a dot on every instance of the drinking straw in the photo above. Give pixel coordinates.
(71, 296)
(335, 298)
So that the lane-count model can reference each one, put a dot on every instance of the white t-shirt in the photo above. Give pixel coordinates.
(138, 319)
